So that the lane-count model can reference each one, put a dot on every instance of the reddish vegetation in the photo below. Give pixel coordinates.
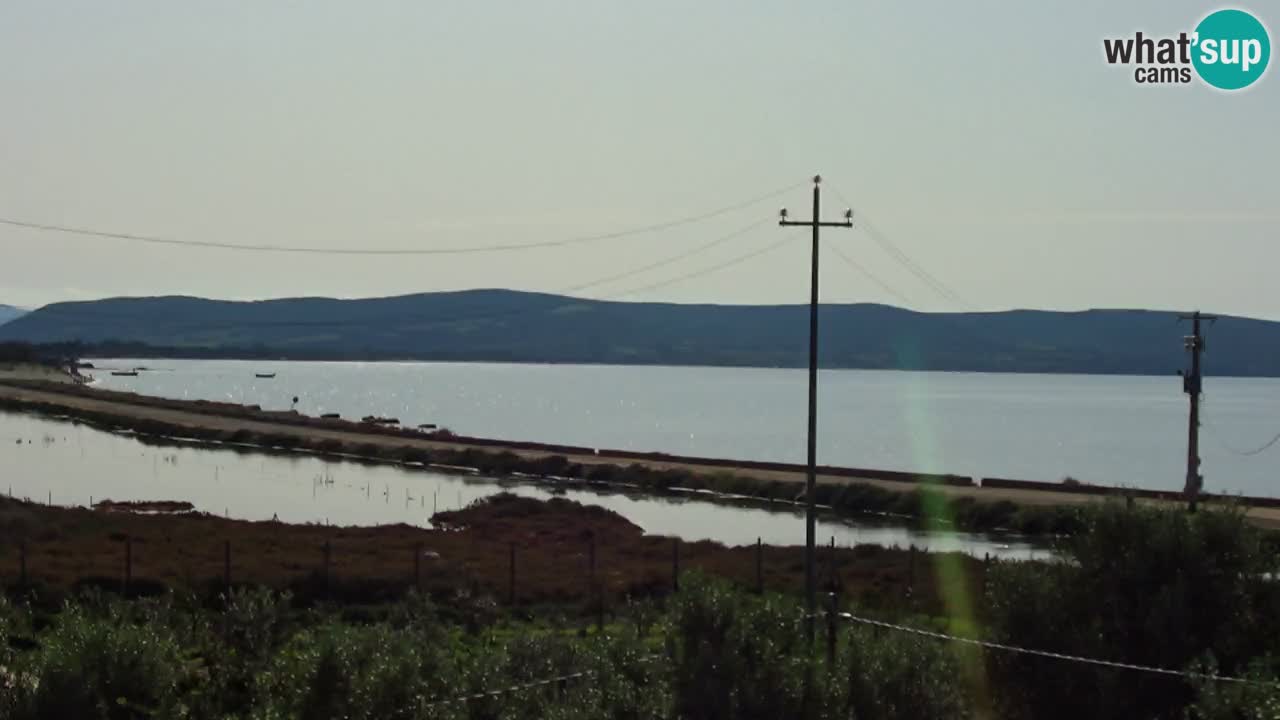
(144, 506)
(69, 548)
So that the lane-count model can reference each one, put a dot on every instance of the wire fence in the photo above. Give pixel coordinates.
(832, 617)
(1003, 647)
(497, 692)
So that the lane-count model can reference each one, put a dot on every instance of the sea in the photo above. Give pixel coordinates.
(1108, 429)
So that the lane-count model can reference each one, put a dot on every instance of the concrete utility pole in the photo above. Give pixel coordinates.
(810, 577)
(1192, 386)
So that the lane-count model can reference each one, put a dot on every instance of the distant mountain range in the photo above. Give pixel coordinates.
(504, 325)
(9, 312)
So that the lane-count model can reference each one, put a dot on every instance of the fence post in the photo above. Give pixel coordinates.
(128, 563)
(226, 565)
(986, 569)
(911, 571)
(831, 564)
(759, 567)
(328, 553)
(600, 607)
(22, 563)
(417, 566)
(675, 564)
(591, 567)
(831, 630)
(511, 577)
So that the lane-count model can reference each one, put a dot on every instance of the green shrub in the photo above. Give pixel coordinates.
(892, 676)
(105, 667)
(1144, 585)
(339, 671)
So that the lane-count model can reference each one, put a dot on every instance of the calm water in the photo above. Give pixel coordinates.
(1116, 430)
(71, 464)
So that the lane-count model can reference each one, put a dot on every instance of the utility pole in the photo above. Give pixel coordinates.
(810, 577)
(1192, 386)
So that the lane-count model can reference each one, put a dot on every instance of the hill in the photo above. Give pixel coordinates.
(503, 325)
(9, 312)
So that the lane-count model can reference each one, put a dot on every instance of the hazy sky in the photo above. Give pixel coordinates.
(988, 140)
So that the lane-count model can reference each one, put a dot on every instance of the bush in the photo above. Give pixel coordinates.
(1141, 585)
(1258, 700)
(101, 668)
(339, 671)
(737, 655)
(901, 677)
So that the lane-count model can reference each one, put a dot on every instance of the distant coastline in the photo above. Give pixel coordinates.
(519, 327)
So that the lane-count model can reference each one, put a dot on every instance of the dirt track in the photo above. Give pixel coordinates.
(195, 418)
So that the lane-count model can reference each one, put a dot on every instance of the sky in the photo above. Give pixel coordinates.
(986, 141)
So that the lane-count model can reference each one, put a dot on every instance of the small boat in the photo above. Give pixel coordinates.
(264, 375)
(125, 373)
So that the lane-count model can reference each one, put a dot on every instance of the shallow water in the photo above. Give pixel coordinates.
(66, 463)
(1114, 430)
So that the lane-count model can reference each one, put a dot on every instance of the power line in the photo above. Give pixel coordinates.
(903, 259)
(1245, 453)
(461, 250)
(867, 273)
(911, 265)
(1221, 440)
(704, 271)
(454, 318)
(666, 261)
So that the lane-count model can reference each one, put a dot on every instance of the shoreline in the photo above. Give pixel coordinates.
(879, 491)
(839, 368)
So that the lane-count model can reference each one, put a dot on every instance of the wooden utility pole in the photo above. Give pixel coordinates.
(1192, 385)
(815, 222)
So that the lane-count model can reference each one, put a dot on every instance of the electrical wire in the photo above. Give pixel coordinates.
(1221, 441)
(461, 250)
(454, 317)
(867, 273)
(666, 261)
(915, 268)
(707, 270)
